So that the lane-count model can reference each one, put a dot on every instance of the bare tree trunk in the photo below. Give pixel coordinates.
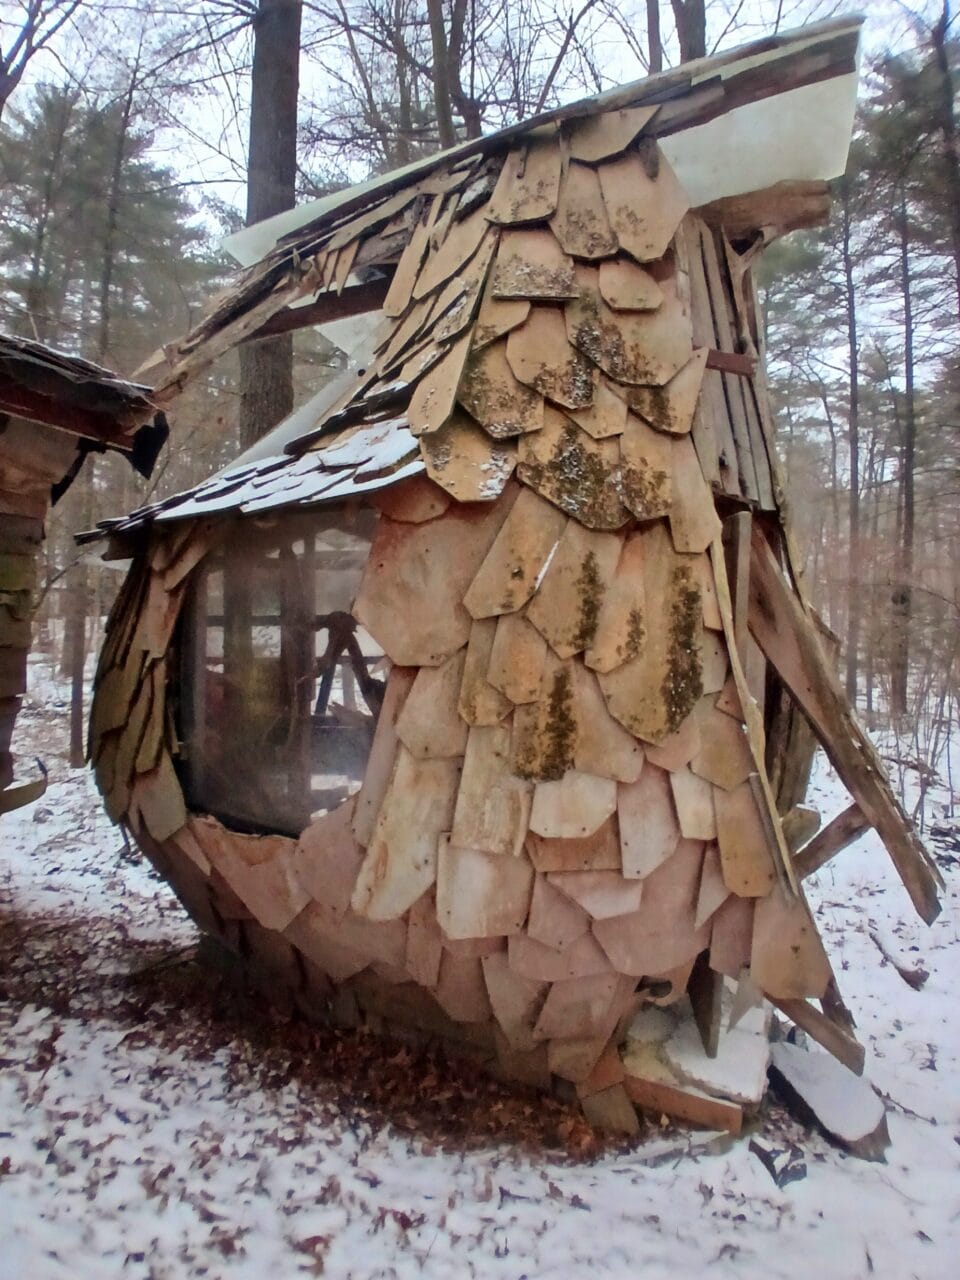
(903, 589)
(855, 608)
(266, 368)
(113, 213)
(655, 48)
(442, 75)
(691, 22)
(947, 123)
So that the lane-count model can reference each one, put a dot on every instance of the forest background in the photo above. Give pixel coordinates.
(134, 136)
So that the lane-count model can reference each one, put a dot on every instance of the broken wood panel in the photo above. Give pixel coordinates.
(509, 573)
(645, 202)
(532, 265)
(625, 286)
(410, 596)
(493, 805)
(481, 895)
(646, 474)
(541, 357)
(497, 317)
(517, 659)
(429, 724)
(601, 894)
(654, 692)
(457, 304)
(659, 1098)
(401, 860)
(693, 521)
(620, 625)
(435, 394)
(400, 291)
(608, 133)
(575, 806)
(784, 631)
(479, 702)
(649, 829)
(567, 604)
(328, 858)
(382, 757)
(639, 348)
(713, 889)
(492, 394)
(745, 852)
(606, 416)
(159, 799)
(578, 1008)
(555, 920)
(731, 935)
(661, 934)
(598, 852)
(572, 470)
(529, 183)
(459, 245)
(462, 459)
(787, 959)
(580, 223)
(516, 1001)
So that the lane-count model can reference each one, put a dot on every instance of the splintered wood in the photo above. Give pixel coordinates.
(565, 812)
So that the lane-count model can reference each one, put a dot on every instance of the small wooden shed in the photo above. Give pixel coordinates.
(54, 409)
(476, 701)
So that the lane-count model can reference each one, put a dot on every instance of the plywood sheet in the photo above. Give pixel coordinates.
(461, 242)
(745, 849)
(532, 264)
(567, 604)
(601, 894)
(541, 357)
(731, 932)
(693, 798)
(599, 852)
(578, 1007)
(670, 408)
(639, 348)
(649, 829)
(491, 393)
(382, 755)
(723, 757)
(603, 746)
(644, 200)
(516, 1001)
(714, 662)
(694, 522)
(787, 959)
(457, 303)
(424, 945)
(429, 725)
(545, 732)
(646, 481)
(517, 659)
(573, 807)
(461, 991)
(413, 501)
(508, 576)
(625, 286)
(678, 748)
(481, 895)
(479, 702)
(434, 395)
(529, 183)
(653, 693)
(713, 890)
(496, 317)
(555, 920)
(462, 459)
(401, 860)
(598, 137)
(408, 268)
(328, 858)
(532, 960)
(569, 468)
(493, 805)
(410, 597)
(620, 627)
(606, 416)
(158, 797)
(581, 223)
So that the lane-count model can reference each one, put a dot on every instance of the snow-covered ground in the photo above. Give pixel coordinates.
(151, 1128)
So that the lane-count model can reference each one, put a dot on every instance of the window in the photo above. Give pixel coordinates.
(281, 688)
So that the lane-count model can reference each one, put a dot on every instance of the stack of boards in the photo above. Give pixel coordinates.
(572, 810)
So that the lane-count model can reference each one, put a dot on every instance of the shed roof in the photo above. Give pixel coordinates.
(776, 114)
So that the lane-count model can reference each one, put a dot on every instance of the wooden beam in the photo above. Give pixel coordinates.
(786, 206)
(788, 637)
(732, 362)
(844, 1047)
(353, 301)
(835, 836)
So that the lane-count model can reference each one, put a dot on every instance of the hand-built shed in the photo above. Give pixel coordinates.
(54, 409)
(475, 701)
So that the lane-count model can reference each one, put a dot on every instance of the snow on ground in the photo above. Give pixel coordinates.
(151, 1127)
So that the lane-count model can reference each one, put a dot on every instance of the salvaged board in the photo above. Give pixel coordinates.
(559, 809)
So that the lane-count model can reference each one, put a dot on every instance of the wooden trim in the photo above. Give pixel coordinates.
(354, 301)
(844, 1047)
